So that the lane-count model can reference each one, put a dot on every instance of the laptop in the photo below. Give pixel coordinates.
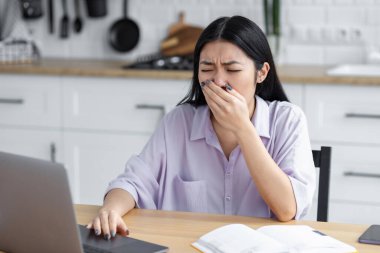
(37, 213)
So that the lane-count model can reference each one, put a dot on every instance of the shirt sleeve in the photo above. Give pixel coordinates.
(293, 154)
(142, 172)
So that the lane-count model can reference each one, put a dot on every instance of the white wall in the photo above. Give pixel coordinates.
(314, 31)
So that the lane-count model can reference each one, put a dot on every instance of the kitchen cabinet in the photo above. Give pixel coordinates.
(347, 118)
(343, 113)
(127, 105)
(42, 144)
(91, 125)
(30, 101)
(350, 212)
(30, 116)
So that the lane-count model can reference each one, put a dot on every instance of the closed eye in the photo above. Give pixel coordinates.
(206, 70)
(234, 70)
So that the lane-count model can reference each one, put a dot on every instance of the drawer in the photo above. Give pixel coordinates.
(344, 212)
(355, 174)
(42, 144)
(119, 104)
(348, 212)
(29, 101)
(343, 113)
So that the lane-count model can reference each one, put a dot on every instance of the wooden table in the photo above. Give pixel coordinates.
(178, 230)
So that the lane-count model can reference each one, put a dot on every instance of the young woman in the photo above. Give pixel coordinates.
(234, 145)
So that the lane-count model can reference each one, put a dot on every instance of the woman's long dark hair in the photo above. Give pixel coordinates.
(245, 34)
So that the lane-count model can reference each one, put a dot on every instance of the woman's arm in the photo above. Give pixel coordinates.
(109, 219)
(272, 183)
(136, 186)
(119, 200)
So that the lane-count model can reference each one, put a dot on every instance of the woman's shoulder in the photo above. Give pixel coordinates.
(181, 115)
(285, 117)
(285, 110)
(180, 111)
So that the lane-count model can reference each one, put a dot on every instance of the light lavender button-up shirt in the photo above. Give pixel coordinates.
(183, 166)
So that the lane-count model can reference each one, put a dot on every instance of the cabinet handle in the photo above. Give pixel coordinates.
(53, 152)
(362, 115)
(15, 101)
(360, 174)
(151, 107)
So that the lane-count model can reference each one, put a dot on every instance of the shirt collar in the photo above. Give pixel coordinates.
(260, 118)
(202, 121)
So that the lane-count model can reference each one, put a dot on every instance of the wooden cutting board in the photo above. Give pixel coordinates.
(181, 38)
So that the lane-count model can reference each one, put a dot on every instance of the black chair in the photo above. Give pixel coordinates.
(322, 159)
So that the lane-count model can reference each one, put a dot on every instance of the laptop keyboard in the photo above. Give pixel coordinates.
(91, 249)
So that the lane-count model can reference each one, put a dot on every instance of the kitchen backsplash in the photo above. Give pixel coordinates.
(314, 31)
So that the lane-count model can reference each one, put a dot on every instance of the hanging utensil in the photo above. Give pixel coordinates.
(96, 8)
(78, 23)
(124, 33)
(64, 21)
(31, 9)
(9, 17)
(51, 16)
(3, 6)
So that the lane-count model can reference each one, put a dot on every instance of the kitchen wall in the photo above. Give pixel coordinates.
(314, 31)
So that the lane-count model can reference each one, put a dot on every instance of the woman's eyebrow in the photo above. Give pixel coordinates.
(206, 62)
(231, 62)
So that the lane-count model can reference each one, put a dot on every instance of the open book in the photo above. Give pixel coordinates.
(239, 238)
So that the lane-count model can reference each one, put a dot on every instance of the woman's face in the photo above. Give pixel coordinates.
(223, 62)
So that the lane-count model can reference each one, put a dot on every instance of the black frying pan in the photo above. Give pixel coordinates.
(124, 33)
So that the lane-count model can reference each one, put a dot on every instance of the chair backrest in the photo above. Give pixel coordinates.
(322, 160)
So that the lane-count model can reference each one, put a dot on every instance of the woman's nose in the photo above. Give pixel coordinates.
(219, 80)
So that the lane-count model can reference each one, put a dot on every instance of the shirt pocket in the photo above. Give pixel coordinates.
(191, 196)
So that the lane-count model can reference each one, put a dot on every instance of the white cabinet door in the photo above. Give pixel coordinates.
(355, 174)
(45, 145)
(354, 181)
(132, 105)
(94, 159)
(30, 101)
(354, 213)
(343, 113)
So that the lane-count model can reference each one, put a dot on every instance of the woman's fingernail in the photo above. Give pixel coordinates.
(113, 233)
(203, 84)
(228, 87)
(97, 232)
(207, 81)
(107, 237)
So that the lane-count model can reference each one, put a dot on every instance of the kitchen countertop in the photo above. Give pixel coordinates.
(111, 68)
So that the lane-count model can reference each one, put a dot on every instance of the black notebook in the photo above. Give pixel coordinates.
(117, 244)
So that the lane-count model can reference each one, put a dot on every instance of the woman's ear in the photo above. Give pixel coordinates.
(263, 72)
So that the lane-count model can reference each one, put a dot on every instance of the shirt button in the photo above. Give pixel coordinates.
(228, 173)
(228, 198)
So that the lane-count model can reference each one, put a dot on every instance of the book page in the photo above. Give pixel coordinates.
(238, 238)
(300, 238)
